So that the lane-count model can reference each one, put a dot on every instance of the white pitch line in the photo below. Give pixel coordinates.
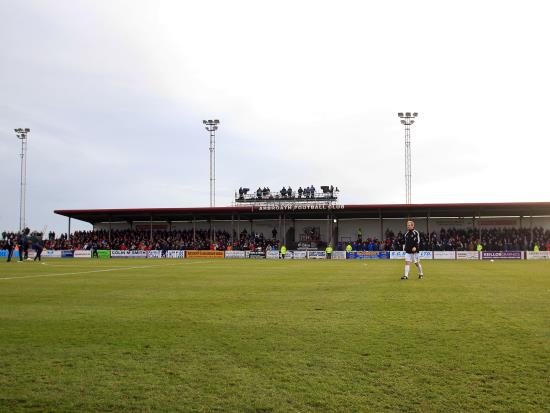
(183, 264)
(85, 272)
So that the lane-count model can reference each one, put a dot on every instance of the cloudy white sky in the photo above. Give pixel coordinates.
(307, 93)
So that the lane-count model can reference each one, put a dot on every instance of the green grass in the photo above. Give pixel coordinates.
(270, 336)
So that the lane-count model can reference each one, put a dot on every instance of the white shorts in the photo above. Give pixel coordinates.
(415, 257)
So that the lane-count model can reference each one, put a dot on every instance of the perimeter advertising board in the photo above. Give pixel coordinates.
(316, 255)
(235, 254)
(538, 255)
(4, 254)
(51, 254)
(128, 254)
(444, 255)
(154, 254)
(400, 255)
(367, 255)
(204, 254)
(103, 254)
(467, 255)
(397, 255)
(175, 254)
(82, 254)
(272, 255)
(502, 255)
(256, 255)
(296, 255)
(166, 254)
(339, 255)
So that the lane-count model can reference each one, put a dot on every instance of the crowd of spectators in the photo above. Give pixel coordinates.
(161, 240)
(287, 193)
(494, 239)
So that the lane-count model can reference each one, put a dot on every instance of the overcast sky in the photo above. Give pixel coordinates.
(307, 92)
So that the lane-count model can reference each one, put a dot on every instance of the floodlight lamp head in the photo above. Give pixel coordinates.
(27, 130)
(216, 121)
(209, 121)
(204, 122)
(400, 114)
(412, 121)
(415, 114)
(408, 114)
(402, 121)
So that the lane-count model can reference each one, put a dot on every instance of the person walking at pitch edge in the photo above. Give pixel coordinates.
(10, 245)
(38, 247)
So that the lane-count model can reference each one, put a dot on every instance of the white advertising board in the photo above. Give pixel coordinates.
(272, 255)
(400, 255)
(128, 254)
(296, 255)
(338, 255)
(82, 254)
(397, 255)
(444, 255)
(316, 255)
(467, 255)
(175, 254)
(235, 254)
(539, 255)
(51, 254)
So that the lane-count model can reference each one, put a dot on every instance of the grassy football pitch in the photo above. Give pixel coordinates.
(271, 336)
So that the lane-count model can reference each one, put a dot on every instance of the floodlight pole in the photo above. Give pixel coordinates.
(21, 134)
(212, 127)
(407, 119)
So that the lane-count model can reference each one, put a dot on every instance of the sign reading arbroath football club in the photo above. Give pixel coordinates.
(295, 206)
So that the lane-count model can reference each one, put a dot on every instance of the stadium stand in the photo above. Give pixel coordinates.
(169, 240)
(495, 239)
